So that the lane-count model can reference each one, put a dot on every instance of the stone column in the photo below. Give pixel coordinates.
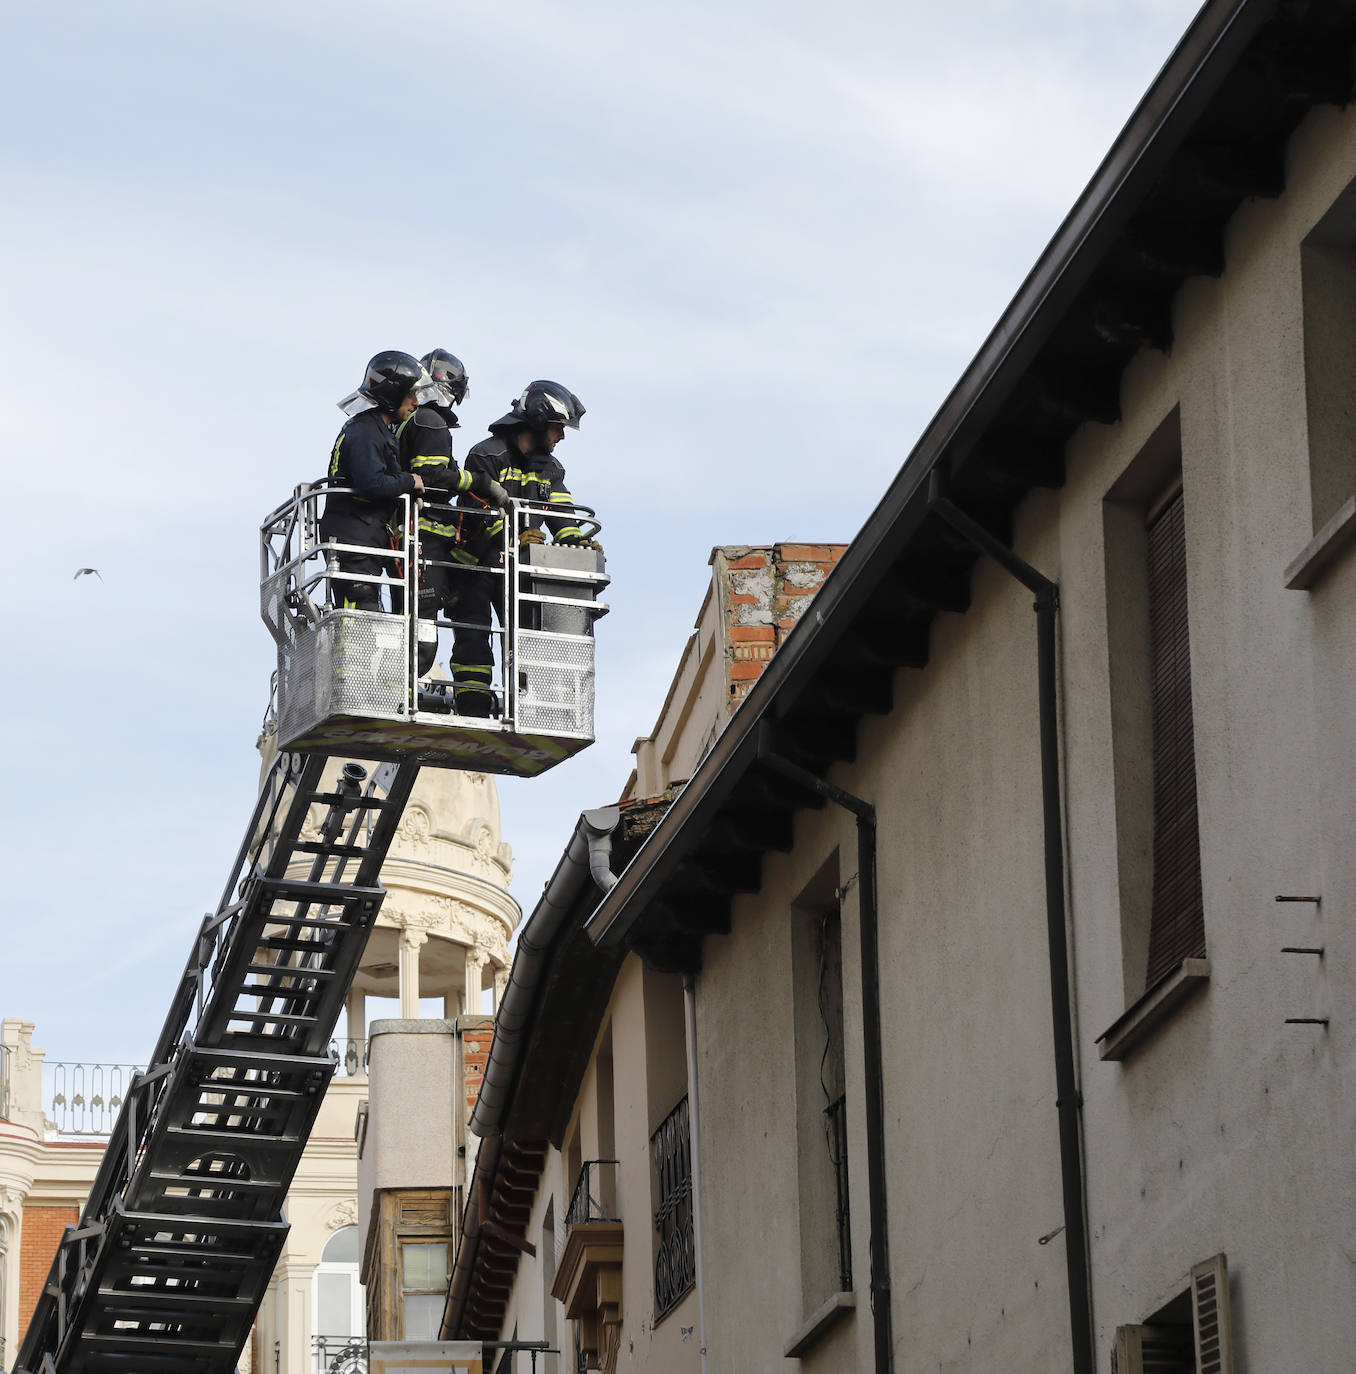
(501, 977)
(475, 962)
(410, 943)
(11, 1219)
(355, 1006)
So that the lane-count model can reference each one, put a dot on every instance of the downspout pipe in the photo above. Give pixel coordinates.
(868, 918)
(1068, 1100)
(695, 1128)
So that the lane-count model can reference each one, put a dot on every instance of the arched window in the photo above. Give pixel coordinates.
(337, 1300)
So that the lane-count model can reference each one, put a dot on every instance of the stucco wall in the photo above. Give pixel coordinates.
(1228, 1130)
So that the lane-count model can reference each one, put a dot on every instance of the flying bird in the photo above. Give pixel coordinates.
(82, 572)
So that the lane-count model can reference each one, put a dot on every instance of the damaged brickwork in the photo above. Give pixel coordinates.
(764, 591)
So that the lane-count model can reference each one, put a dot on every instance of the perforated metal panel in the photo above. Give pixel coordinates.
(352, 662)
(555, 691)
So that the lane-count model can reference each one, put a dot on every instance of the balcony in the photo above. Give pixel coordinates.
(339, 1354)
(589, 1266)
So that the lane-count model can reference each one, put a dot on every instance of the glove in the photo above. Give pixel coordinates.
(531, 536)
(488, 489)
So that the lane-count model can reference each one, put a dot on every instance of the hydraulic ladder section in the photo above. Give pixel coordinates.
(184, 1222)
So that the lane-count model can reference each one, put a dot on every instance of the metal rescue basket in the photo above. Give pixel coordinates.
(348, 680)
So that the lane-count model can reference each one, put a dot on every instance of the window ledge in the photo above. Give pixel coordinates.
(818, 1322)
(1143, 1017)
(1323, 549)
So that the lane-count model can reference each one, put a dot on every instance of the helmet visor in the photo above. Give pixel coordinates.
(428, 392)
(356, 402)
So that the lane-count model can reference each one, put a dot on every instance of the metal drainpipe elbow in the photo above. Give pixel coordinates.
(600, 824)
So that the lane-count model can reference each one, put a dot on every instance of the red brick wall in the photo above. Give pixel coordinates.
(43, 1228)
(767, 593)
(475, 1049)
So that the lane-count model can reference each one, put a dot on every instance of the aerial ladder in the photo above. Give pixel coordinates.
(184, 1223)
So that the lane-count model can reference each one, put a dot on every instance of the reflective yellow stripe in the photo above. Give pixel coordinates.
(537, 479)
(463, 481)
(428, 460)
(334, 457)
(569, 532)
(468, 669)
(433, 527)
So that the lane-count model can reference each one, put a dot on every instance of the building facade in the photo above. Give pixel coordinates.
(1013, 898)
(579, 1232)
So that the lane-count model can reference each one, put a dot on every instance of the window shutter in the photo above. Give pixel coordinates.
(1152, 1350)
(1211, 1315)
(1177, 927)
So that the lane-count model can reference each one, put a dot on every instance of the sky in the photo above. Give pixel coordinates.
(760, 241)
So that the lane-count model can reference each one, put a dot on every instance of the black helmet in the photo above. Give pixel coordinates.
(541, 404)
(449, 374)
(391, 376)
(549, 403)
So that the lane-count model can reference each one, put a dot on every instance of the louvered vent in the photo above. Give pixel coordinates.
(1210, 1311)
(1177, 928)
(1152, 1350)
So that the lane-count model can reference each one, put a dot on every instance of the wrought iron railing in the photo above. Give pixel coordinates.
(675, 1266)
(339, 1354)
(352, 1057)
(835, 1124)
(85, 1099)
(595, 1194)
(594, 1199)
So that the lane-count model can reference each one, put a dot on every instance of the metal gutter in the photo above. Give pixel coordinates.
(585, 859)
(1187, 82)
(487, 1159)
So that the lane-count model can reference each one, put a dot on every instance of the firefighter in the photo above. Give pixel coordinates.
(364, 458)
(519, 455)
(424, 442)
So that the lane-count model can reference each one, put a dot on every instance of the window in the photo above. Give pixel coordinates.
(1162, 915)
(337, 1300)
(1193, 1334)
(675, 1266)
(1328, 264)
(821, 1091)
(1177, 925)
(424, 1273)
(1328, 268)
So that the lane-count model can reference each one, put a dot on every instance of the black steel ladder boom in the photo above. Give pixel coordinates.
(184, 1222)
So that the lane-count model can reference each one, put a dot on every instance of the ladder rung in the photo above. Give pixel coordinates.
(133, 1303)
(333, 850)
(232, 1139)
(259, 1060)
(291, 972)
(305, 890)
(373, 803)
(287, 942)
(153, 1343)
(282, 1018)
